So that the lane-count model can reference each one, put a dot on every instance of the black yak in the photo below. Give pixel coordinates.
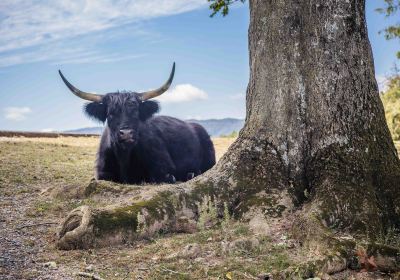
(138, 147)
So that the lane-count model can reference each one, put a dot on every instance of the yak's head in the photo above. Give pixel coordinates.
(123, 110)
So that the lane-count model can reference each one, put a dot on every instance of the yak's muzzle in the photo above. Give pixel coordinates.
(125, 135)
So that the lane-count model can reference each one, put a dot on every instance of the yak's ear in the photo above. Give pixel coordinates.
(96, 110)
(147, 109)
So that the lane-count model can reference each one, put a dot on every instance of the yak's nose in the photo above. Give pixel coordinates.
(125, 134)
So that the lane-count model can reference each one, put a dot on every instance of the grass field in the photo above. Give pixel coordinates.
(41, 181)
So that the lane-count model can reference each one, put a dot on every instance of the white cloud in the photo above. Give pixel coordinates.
(97, 58)
(16, 113)
(383, 83)
(183, 93)
(65, 53)
(27, 24)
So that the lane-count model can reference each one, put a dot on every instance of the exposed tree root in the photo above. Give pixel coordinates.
(77, 230)
(86, 227)
(182, 211)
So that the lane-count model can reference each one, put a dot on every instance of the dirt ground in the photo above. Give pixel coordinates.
(41, 181)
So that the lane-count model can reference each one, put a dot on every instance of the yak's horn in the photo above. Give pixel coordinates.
(154, 93)
(79, 93)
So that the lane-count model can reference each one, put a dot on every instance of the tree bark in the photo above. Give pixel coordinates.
(315, 155)
(313, 97)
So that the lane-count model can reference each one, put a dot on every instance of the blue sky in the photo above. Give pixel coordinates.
(104, 46)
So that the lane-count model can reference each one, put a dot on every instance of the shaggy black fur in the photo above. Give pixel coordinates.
(157, 148)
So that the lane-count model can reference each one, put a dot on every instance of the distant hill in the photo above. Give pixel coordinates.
(214, 127)
(218, 127)
(86, 130)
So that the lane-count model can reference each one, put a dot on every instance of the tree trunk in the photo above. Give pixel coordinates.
(313, 98)
(315, 154)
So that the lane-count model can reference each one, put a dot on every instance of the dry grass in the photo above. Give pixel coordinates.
(54, 161)
(70, 141)
(221, 144)
(31, 169)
